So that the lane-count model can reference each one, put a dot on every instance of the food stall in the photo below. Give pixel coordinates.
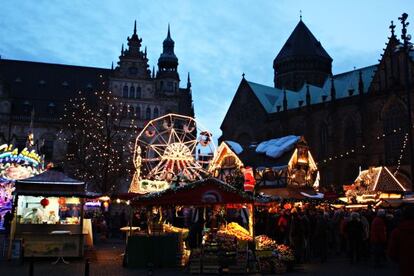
(376, 186)
(228, 242)
(48, 212)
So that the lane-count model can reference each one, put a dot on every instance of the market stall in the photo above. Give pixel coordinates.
(223, 246)
(49, 215)
(376, 186)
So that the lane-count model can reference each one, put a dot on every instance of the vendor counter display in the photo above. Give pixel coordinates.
(164, 247)
(273, 257)
(223, 250)
(50, 226)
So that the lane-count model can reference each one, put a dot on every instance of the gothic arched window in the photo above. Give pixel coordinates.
(138, 112)
(156, 112)
(125, 91)
(148, 114)
(350, 140)
(132, 92)
(131, 111)
(138, 94)
(124, 111)
(394, 118)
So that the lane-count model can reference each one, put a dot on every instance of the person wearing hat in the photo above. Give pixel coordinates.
(379, 237)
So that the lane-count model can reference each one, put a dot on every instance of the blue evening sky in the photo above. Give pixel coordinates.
(216, 41)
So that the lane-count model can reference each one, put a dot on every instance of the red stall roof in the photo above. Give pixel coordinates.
(208, 191)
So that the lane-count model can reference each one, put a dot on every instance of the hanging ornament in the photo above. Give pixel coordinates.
(62, 201)
(44, 202)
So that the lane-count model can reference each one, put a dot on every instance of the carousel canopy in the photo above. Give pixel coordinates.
(208, 191)
(52, 183)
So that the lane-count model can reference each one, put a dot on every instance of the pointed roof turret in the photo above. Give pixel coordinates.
(168, 60)
(333, 90)
(284, 100)
(302, 43)
(153, 72)
(360, 84)
(308, 96)
(188, 81)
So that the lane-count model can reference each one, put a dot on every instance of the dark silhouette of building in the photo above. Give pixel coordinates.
(356, 118)
(35, 92)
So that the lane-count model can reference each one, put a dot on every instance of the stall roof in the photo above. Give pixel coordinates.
(290, 193)
(52, 183)
(51, 177)
(208, 191)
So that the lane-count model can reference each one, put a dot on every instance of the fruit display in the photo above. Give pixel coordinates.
(285, 253)
(263, 242)
(235, 230)
(172, 229)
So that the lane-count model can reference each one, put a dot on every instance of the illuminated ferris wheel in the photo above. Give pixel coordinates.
(173, 146)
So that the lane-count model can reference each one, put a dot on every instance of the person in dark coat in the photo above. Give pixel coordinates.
(379, 237)
(297, 236)
(355, 234)
(8, 217)
(400, 249)
(321, 236)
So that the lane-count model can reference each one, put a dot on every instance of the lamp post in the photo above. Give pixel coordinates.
(406, 47)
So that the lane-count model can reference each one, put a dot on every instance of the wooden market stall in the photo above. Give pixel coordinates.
(156, 248)
(49, 215)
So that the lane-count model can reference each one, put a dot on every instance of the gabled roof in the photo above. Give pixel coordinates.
(207, 191)
(302, 43)
(270, 97)
(380, 179)
(267, 95)
(53, 177)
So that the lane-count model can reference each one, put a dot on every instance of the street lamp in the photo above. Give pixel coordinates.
(406, 46)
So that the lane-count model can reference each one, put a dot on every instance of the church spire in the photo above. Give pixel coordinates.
(392, 28)
(333, 91)
(153, 72)
(122, 49)
(308, 96)
(168, 61)
(284, 100)
(360, 84)
(135, 27)
(188, 81)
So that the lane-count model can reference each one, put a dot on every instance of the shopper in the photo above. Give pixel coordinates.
(401, 244)
(379, 237)
(354, 230)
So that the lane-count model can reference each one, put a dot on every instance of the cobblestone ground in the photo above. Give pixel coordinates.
(106, 259)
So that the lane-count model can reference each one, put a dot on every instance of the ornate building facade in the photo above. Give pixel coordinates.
(351, 120)
(33, 94)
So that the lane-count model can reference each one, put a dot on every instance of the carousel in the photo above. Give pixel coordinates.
(15, 165)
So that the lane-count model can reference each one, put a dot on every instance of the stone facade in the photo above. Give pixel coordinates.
(33, 94)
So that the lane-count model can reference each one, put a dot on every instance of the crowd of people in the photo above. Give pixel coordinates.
(361, 235)
(314, 233)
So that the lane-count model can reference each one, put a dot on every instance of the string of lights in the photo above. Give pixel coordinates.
(351, 151)
(404, 146)
(99, 132)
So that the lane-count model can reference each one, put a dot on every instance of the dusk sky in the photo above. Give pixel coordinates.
(216, 41)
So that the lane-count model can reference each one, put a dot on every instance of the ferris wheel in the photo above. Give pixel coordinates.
(173, 146)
